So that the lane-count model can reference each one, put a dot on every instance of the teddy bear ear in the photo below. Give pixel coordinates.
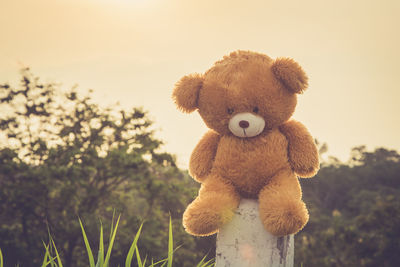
(290, 74)
(186, 92)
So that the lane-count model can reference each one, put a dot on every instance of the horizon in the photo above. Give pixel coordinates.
(133, 52)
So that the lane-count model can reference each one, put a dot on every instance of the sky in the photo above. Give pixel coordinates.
(134, 51)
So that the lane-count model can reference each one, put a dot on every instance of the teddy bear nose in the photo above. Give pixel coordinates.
(244, 124)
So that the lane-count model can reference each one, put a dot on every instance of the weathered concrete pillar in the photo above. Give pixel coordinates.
(244, 242)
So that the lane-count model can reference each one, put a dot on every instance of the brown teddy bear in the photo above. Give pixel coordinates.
(252, 149)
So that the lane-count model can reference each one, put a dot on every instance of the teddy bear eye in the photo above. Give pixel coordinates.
(255, 109)
(230, 110)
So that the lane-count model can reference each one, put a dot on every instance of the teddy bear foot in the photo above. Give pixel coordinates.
(204, 217)
(284, 218)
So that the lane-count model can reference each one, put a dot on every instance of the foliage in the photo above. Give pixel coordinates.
(354, 212)
(62, 156)
(52, 258)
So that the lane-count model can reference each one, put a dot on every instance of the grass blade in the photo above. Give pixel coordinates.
(209, 263)
(201, 263)
(59, 263)
(1, 259)
(46, 255)
(100, 255)
(51, 247)
(144, 262)
(129, 257)
(170, 244)
(112, 225)
(158, 262)
(110, 245)
(138, 259)
(89, 250)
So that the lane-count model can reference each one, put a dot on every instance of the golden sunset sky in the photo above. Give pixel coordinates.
(133, 52)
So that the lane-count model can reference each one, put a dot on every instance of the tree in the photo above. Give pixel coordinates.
(354, 212)
(63, 156)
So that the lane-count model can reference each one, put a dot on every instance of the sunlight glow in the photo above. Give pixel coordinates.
(124, 2)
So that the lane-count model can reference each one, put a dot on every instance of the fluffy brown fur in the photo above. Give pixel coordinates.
(265, 166)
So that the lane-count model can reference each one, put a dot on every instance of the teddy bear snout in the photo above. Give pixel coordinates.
(244, 124)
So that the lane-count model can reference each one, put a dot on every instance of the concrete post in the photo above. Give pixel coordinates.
(244, 242)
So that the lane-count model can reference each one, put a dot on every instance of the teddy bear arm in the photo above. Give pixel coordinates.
(203, 155)
(302, 151)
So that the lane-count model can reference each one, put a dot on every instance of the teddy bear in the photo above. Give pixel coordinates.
(252, 149)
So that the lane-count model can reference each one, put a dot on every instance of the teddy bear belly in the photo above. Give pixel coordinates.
(249, 179)
(250, 166)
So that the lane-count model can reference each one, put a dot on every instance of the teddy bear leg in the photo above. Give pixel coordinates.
(281, 209)
(215, 205)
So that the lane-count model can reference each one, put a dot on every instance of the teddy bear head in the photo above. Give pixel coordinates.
(244, 94)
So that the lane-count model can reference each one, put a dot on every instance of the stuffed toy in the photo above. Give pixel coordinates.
(252, 149)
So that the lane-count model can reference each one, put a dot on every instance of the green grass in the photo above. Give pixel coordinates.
(52, 258)
(1, 259)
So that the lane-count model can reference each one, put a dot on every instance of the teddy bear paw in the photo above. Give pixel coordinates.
(306, 172)
(203, 217)
(286, 219)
